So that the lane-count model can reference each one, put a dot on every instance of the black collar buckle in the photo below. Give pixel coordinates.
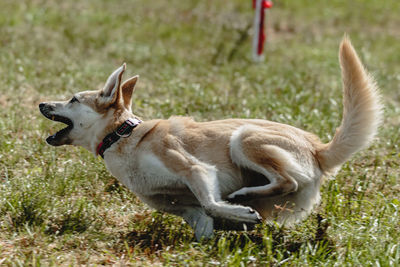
(123, 131)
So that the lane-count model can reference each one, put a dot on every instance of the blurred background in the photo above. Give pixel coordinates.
(60, 206)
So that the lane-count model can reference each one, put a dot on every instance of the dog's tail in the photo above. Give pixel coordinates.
(362, 111)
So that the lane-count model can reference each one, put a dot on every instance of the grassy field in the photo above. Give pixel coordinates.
(60, 206)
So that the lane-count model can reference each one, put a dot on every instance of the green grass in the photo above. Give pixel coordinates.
(60, 206)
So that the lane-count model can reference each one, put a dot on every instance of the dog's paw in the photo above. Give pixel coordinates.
(237, 213)
(247, 215)
(254, 216)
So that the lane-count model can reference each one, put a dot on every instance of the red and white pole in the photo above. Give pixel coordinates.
(259, 33)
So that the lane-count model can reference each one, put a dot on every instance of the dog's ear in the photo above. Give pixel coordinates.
(110, 91)
(127, 89)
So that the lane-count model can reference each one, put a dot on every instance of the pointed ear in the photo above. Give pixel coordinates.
(127, 89)
(111, 88)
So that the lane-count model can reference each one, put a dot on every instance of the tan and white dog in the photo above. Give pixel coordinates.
(237, 170)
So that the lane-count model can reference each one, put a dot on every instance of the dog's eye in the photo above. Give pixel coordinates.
(74, 99)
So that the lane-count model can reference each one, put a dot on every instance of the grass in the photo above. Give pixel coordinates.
(60, 206)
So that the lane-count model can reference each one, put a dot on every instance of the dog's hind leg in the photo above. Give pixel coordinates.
(250, 151)
(281, 184)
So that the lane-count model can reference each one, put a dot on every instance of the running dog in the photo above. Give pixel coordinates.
(241, 171)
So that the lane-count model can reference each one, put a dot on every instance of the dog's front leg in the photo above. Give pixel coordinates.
(201, 178)
(203, 183)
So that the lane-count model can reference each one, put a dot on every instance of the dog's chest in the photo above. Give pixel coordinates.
(144, 174)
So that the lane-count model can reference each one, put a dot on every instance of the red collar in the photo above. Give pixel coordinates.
(125, 130)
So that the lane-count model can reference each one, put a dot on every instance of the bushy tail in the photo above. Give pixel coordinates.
(362, 111)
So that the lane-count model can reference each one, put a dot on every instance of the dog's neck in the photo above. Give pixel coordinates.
(123, 131)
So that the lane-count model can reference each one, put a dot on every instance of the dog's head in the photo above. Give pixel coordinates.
(90, 115)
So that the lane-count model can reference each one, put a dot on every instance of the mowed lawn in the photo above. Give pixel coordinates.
(60, 206)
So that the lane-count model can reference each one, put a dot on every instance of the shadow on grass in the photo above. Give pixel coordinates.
(156, 232)
(160, 231)
(278, 237)
(24, 208)
(70, 223)
(274, 244)
(76, 219)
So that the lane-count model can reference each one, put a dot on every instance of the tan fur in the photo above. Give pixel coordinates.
(362, 111)
(127, 89)
(233, 170)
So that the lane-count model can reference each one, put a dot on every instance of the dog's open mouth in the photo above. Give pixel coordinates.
(60, 137)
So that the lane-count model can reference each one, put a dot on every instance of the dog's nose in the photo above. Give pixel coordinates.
(41, 105)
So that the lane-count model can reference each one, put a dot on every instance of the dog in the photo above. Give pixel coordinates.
(239, 171)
